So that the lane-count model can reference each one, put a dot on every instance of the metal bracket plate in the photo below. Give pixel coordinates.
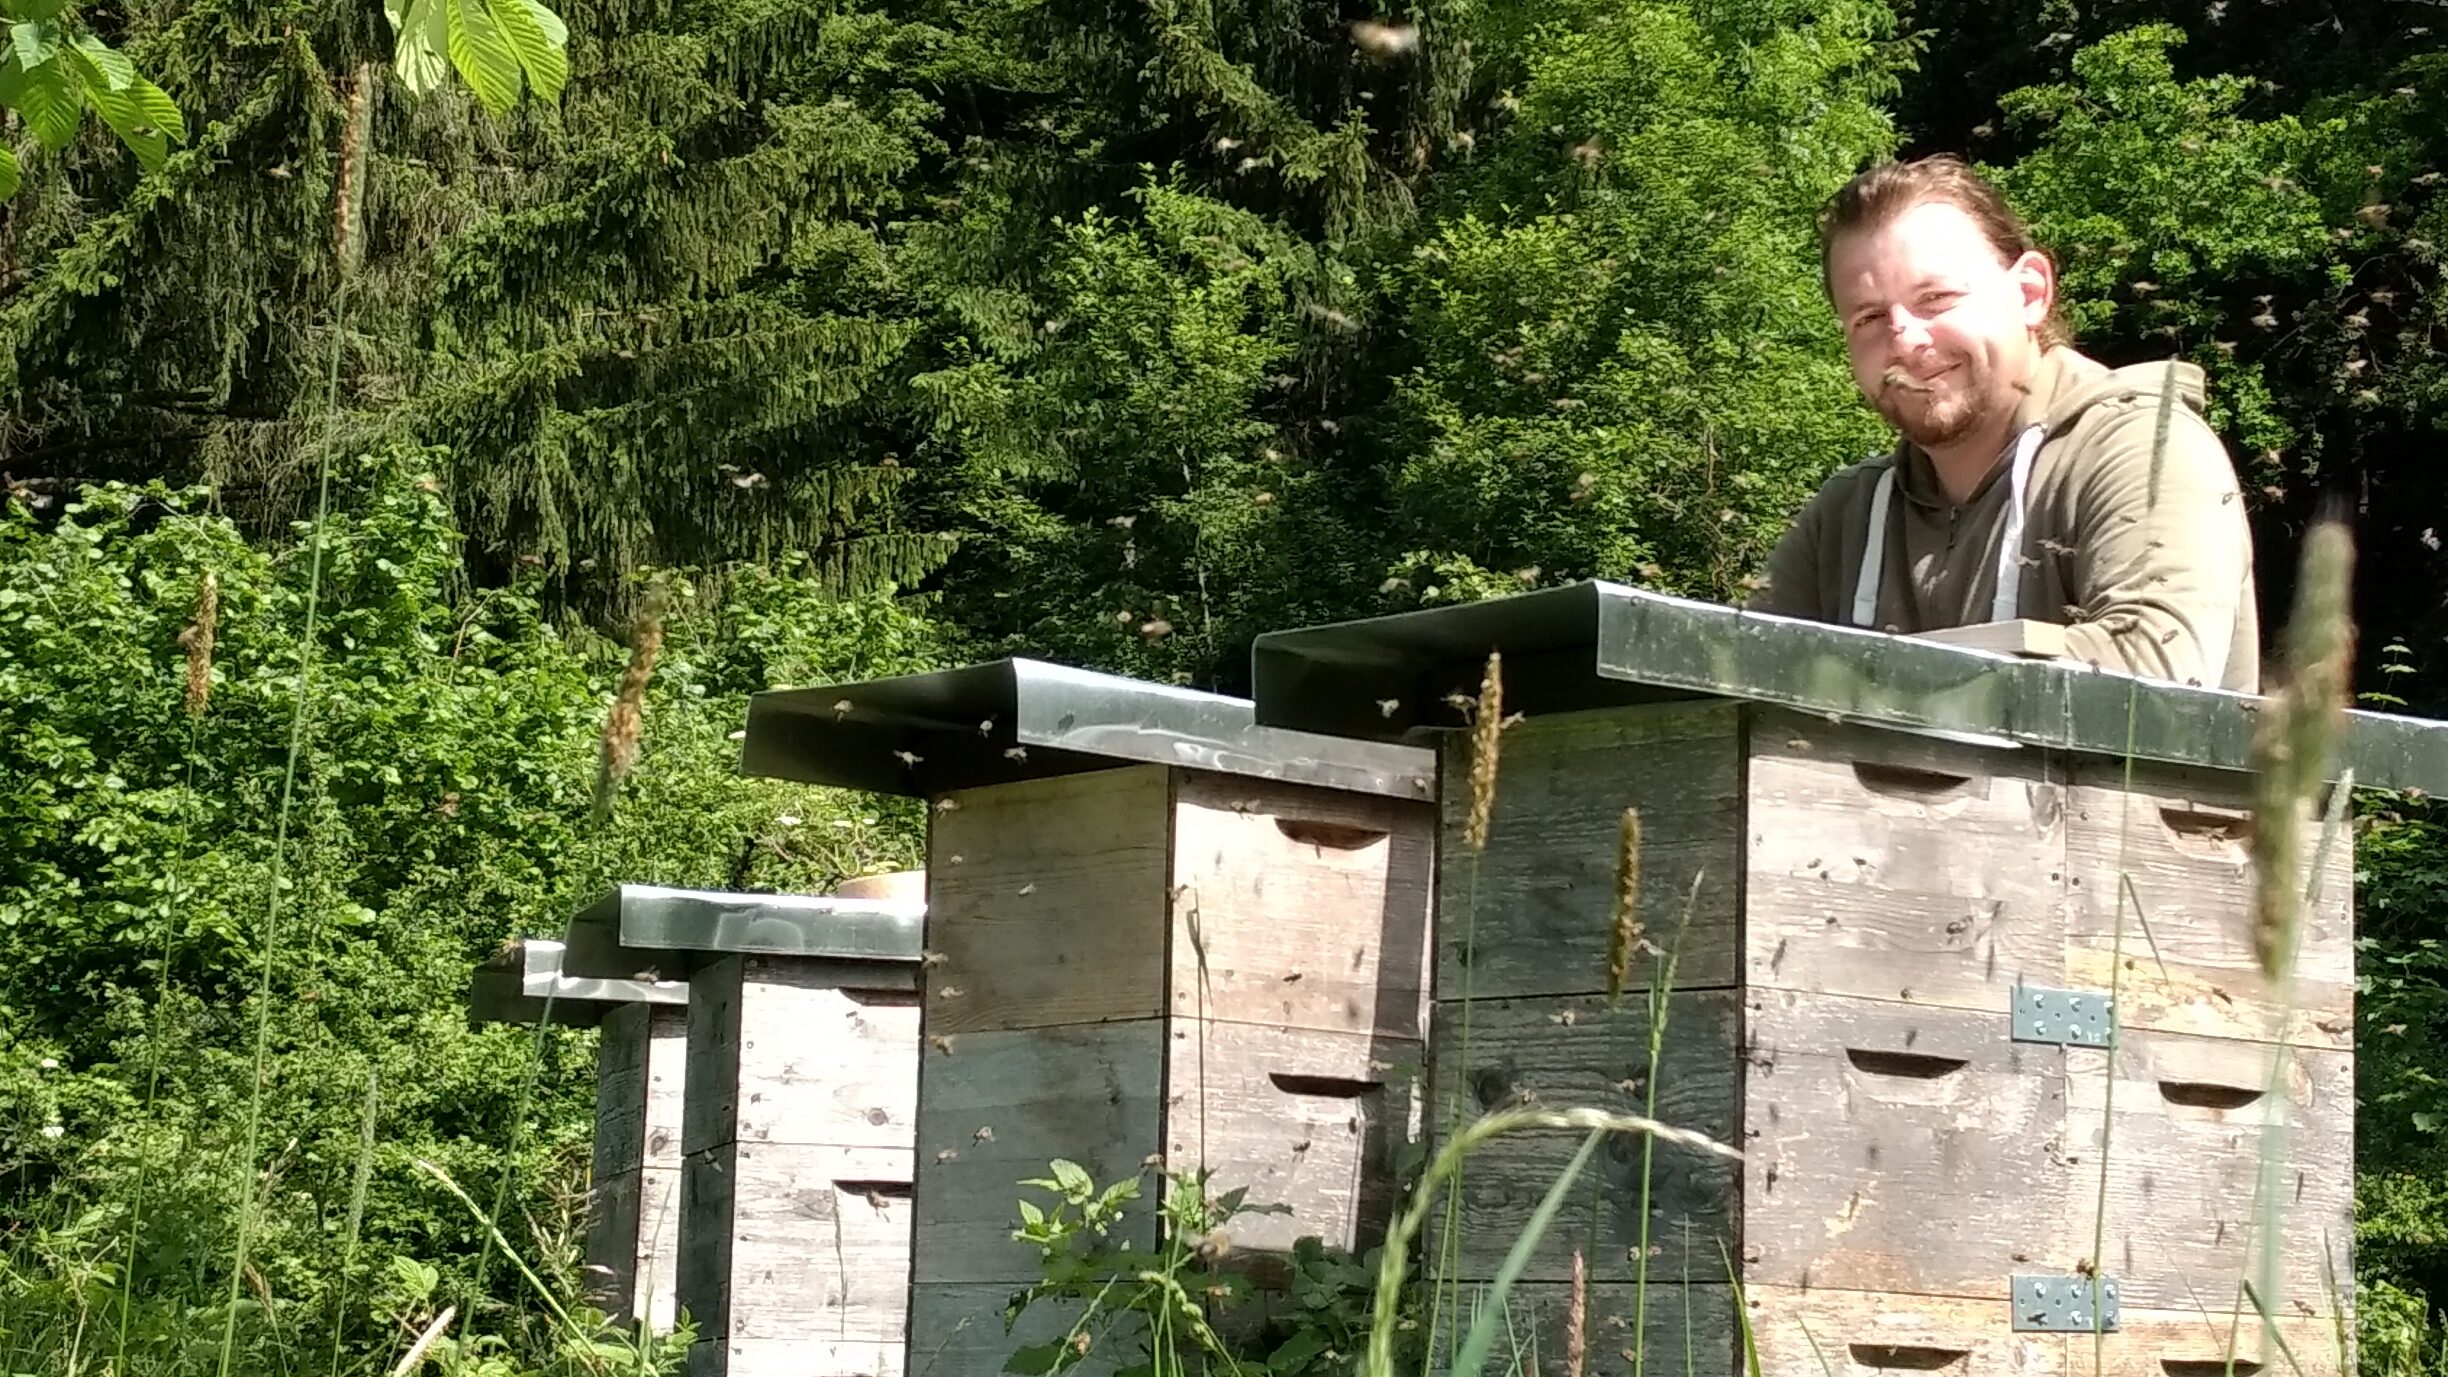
(2065, 1018)
(2063, 1304)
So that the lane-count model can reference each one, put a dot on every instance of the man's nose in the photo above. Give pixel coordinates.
(1906, 327)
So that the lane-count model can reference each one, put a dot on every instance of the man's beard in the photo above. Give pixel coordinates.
(1929, 417)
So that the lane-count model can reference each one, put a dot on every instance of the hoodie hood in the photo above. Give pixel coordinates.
(2081, 384)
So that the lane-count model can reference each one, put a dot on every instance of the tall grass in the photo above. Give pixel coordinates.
(355, 149)
(1487, 723)
(1394, 1265)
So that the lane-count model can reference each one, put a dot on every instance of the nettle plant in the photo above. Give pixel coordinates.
(1190, 1301)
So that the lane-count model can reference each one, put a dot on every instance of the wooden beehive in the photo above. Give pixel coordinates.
(1214, 965)
(633, 1219)
(632, 1237)
(796, 1189)
(1896, 937)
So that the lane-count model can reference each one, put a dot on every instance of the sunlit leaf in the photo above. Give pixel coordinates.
(8, 172)
(419, 31)
(483, 55)
(51, 101)
(1035, 1360)
(118, 73)
(544, 57)
(118, 110)
(34, 43)
(158, 110)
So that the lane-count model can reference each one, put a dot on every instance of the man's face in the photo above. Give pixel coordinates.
(1940, 332)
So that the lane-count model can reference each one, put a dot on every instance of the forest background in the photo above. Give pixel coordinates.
(849, 337)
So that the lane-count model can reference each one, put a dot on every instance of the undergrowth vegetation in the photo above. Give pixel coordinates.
(442, 805)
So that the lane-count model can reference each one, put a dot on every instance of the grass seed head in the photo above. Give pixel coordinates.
(197, 641)
(1625, 936)
(1576, 1320)
(627, 722)
(1487, 726)
(2298, 735)
(348, 201)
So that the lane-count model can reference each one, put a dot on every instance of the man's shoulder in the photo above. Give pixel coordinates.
(1850, 487)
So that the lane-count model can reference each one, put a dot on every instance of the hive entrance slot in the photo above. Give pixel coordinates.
(1323, 1087)
(1911, 781)
(1908, 1357)
(2204, 831)
(882, 999)
(2208, 1094)
(1918, 1066)
(1329, 836)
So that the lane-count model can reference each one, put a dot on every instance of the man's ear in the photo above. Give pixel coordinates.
(2036, 277)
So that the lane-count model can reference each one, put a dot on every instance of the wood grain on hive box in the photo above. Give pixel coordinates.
(633, 1226)
(738, 1357)
(2188, 963)
(995, 1108)
(808, 1243)
(1301, 1119)
(1045, 902)
(1299, 908)
(640, 1083)
(1679, 1317)
(1535, 909)
(957, 1327)
(1867, 1122)
(2184, 1163)
(1571, 1051)
(798, 1050)
(1260, 947)
(1869, 1334)
(1897, 867)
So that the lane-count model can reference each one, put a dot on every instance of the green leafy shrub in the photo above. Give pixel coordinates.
(439, 805)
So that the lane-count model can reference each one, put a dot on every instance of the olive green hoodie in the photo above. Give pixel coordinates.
(2150, 571)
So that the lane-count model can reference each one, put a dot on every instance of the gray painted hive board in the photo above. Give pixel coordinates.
(1887, 895)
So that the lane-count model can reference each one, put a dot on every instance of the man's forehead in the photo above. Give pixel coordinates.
(1934, 243)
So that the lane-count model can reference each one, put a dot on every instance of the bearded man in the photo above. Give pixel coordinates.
(2029, 481)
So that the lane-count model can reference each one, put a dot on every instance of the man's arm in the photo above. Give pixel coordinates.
(2157, 576)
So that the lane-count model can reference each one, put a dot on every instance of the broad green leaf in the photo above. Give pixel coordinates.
(118, 73)
(545, 58)
(550, 22)
(8, 172)
(1073, 1177)
(51, 101)
(1035, 1360)
(483, 55)
(158, 110)
(35, 9)
(1297, 1350)
(419, 31)
(34, 42)
(119, 110)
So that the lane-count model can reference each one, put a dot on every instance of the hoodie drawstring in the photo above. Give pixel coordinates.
(2010, 545)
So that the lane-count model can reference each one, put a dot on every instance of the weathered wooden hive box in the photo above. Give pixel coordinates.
(1962, 963)
(791, 1142)
(633, 1233)
(1158, 936)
